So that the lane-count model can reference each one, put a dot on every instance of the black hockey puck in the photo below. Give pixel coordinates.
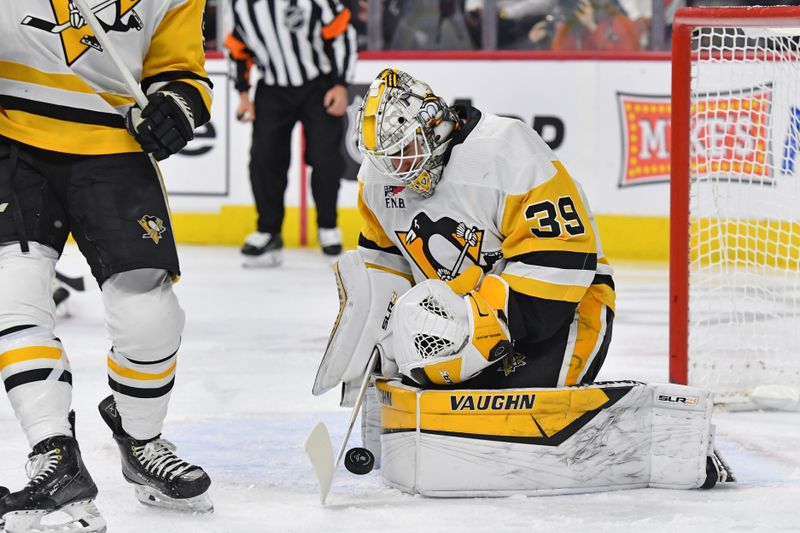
(359, 461)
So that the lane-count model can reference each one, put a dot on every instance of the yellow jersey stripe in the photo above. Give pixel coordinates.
(542, 289)
(73, 137)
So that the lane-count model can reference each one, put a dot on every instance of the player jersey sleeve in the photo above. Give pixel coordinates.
(375, 246)
(552, 250)
(176, 60)
(339, 38)
(242, 57)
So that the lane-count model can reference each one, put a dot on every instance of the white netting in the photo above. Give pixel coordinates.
(744, 277)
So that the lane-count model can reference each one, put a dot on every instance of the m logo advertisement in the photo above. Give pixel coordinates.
(729, 137)
(444, 248)
(76, 36)
(645, 139)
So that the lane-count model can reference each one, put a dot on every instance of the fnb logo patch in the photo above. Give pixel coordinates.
(391, 195)
(730, 137)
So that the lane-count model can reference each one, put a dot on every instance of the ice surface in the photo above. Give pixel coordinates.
(242, 407)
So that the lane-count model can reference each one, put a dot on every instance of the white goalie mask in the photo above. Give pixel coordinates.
(404, 130)
(432, 333)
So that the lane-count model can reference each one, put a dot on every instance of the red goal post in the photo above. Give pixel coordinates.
(724, 142)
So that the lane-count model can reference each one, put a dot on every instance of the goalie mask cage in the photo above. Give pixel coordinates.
(735, 201)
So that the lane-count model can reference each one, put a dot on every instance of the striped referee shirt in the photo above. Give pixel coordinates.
(292, 41)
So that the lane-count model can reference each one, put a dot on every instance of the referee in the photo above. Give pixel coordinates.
(305, 51)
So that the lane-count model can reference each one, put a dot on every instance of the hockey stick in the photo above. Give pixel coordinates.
(318, 443)
(76, 284)
(131, 84)
(52, 27)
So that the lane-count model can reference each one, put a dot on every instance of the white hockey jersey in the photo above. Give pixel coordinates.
(59, 91)
(504, 203)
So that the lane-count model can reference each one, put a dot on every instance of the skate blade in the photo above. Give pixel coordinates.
(267, 260)
(198, 504)
(77, 517)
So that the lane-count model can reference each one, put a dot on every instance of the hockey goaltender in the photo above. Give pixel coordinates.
(480, 284)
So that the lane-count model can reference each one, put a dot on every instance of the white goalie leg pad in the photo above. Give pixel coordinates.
(145, 323)
(367, 296)
(610, 436)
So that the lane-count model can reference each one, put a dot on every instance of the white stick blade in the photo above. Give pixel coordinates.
(320, 451)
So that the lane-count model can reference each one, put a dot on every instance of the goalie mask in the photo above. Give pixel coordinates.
(404, 130)
(442, 338)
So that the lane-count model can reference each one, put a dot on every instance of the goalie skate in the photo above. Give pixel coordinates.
(161, 478)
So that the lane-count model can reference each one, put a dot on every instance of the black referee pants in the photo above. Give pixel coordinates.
(277, 111)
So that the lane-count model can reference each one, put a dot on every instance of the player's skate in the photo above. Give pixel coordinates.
(161, 478)
(59, 497)
(262, 250)
(330, 240)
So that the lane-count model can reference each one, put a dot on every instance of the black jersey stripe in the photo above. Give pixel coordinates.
(174, 75)
(603, 279)
(368, 244)
(565, 260)
(69, 114)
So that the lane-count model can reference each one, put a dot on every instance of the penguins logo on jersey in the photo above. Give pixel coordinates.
(444, 248)
(153, 228)
(75, 34)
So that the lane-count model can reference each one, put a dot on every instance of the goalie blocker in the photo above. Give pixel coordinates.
(616, 435)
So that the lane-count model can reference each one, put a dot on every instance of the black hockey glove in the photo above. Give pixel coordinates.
(164, 126)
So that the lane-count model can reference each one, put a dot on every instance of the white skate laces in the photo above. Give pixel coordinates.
(158, 458)
(40, 467)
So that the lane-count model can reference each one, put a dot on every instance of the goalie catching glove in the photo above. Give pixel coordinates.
(443, 338)
(164, 126)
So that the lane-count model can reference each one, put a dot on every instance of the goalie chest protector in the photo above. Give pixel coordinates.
(616, 435)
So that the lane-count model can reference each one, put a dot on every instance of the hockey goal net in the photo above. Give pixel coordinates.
(735, 204)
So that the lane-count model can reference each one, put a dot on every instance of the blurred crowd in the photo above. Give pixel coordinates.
(558, 25)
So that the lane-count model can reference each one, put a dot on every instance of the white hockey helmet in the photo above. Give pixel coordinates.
(433, 334)
(404, 130)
